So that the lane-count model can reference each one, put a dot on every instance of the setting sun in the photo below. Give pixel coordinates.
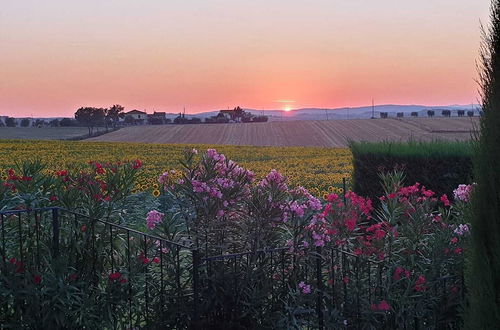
(287, 108)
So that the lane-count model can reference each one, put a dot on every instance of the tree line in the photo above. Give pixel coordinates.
(92, 117)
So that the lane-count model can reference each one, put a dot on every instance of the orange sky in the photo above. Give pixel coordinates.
(56, 56)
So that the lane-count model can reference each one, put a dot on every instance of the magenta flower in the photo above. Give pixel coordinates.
(154, 217)
(305, 288)
(463, 192)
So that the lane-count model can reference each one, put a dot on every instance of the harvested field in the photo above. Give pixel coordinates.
(43, 133)
(334, 133)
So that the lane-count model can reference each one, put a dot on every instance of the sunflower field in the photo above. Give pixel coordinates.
(321, 170)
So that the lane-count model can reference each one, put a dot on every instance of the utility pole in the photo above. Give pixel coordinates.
(373, 109)
(326, 112)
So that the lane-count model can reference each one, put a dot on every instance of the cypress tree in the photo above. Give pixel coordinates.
(483, 270)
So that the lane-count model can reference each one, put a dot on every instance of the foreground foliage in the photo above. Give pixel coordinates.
(225, 249)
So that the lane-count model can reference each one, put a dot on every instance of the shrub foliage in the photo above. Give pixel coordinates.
(439, 166)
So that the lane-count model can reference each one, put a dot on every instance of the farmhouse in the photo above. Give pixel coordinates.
(235, 115)
(136, 114)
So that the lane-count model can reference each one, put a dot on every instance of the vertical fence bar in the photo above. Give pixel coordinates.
(146, 287)
(196, 288)
(319, 279)
(343, 189)
(4, 257)
(37, 232)
(162, 283)
(332, 278)
(111, 248)
(20, 236)
(129, 282)
(55, 232)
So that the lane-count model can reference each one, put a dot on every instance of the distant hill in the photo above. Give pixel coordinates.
(348, 113)
(333, 114)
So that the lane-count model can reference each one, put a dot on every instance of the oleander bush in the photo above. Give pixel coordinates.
(222, 249)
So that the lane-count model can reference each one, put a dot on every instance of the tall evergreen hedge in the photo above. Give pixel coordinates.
(483, 272)
(440, 165)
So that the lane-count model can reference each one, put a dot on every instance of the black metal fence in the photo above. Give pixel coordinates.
(134, 280)
(130, 279)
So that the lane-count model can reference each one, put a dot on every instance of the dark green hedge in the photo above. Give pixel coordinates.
(440, 166)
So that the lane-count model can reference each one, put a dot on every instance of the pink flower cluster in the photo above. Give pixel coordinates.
(420, 284)
(463, 192)
(213, 154)
(274, 179)
(382, 306)
(154, 217)
(400, 272)
(339, 221)
(304, 288)
(462, 229)
(200, 187)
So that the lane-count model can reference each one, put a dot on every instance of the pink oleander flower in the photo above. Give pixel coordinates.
(274, 178)
(445, 200)
(115, 276)
(382, 306)
(461, 230)
(419, 284)
(163, 179)
(463, 192)
(305, 288)
(154, 217)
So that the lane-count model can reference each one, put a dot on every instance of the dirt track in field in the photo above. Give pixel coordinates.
(333, 133)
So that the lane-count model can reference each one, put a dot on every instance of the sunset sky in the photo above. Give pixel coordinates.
(163, 55)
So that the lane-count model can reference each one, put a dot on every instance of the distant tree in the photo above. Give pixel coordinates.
(195, 120)
(180, 119)
(168, 120)
(260, 119)
(470, 113)
(400, 114)
(90, 117)
(483, 257)
(66, 122)
(430, 113)
(384, 115)
(54, 123)
(155, 120)
(10, 122)
(25, 122)
(414, 114)
(114, 114)
(39, 123)
(446, 113)
(460, 113)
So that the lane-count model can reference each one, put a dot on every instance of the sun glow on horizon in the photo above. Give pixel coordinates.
(167, 56)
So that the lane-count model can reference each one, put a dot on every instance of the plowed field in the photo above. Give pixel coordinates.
(334, 133)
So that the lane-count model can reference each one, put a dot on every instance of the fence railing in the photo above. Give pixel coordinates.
(135, 280)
